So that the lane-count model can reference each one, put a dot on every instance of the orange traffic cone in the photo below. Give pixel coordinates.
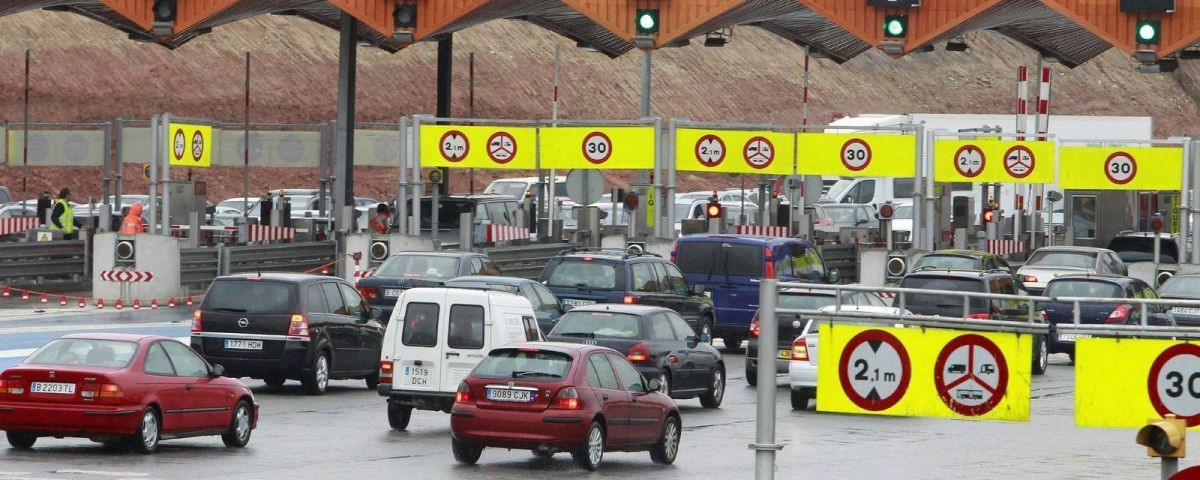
(120, 304)
(82, 303)
(100, 303)
(137, 304)
(154, 304)
(188, 300)
(171, 302)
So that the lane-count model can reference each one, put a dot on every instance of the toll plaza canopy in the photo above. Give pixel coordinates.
(1073, 31)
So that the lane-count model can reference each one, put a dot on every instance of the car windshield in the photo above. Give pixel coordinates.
(449, 212)
(583, 272)
(1182, 286)
(1083, 288)
(419, 266)
(1063, 259)
(598, 325)
(903, 212)
(683, 211)
(841, 216)
(515, 189)
(526, 364)
(249, 295)
(948, 262)
(84, 352)
(1141, 249)
(234, 203)
(805, 301)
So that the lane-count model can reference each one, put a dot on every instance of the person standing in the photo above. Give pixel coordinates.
(62, 217)
(381, 222)
(132, 223)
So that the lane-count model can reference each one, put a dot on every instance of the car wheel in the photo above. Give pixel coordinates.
(732, 344)
(148, 433)
(1041, 355)
(465, 452)
(591, 452)
(398, 416)
(274, 381)
(372, 380)
(716, 389)
(751, 375)
(800, 398)
(664, 379)
(317, 379)
(667, 448)
(240, 426)
(21, 440)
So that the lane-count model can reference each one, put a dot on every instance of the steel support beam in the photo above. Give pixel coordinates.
(445, 79)
(343, 188)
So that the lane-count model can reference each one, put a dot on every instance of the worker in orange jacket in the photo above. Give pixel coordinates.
(132, 223)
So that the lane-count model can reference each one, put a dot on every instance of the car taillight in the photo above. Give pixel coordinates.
(11, 387)
(463, 395)
(111, 390)
(629, 299)
(298, 327)
(674, 251)
(369, 293)
(1119, 314)
(1030, 278)
(980, 316)
(197, 323)
(770, 263)
(568, 399)
(639, 352)
(1045, 316)
(754, 329)
(385, 371)
(800, 349)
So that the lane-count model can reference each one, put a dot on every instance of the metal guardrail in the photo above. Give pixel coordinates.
(842, 256)
(284, 257)
(39, 263)
(525, 261)
(198, 267)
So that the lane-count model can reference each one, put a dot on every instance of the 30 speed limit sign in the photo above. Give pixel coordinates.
(856, 154)
(597, 147)
(1120, 168)
(1174, 382)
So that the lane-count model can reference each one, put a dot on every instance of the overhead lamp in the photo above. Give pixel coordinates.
(895, 26)
(646, 21)
(1145, 57)
(1147, 31)
(892, 47)
(817, 53)
(683, 42)
(957, 44)
(643, 41)
(405, 18)
(923, 49)
(1168, 65)
(141, 37)
(164, 14)
(1147, 6)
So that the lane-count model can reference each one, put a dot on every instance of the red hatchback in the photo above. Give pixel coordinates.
(561, 397)
(113, 388)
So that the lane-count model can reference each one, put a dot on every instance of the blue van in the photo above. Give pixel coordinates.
(730, 267)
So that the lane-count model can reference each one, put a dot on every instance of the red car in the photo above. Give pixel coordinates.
(114, 388)
(562, 397)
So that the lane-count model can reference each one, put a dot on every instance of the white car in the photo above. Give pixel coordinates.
(1049, 262)
(802, 370)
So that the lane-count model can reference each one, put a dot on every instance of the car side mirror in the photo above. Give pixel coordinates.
(833, 275)
(697, 290)
(567, 307)
(216, 371)
(653, 385)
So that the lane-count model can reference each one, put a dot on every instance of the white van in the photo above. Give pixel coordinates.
(435, 338)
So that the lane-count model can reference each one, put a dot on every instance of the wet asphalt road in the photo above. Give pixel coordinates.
(344, 434)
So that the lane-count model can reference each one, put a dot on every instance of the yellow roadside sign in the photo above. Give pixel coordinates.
(857, 155)
(980, 160)
(924, 372)
(1123, 382)
(1121, 168)
(734, 151)
(467, 146)
(622, 148)
(189, 145)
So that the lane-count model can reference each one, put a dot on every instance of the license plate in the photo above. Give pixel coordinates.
(1071, 337)
(392, 292)
(509, 395)
(231, 344)
(416, 376)
(785, 354)
(578, 303)
(1186, 310)
(50, 387)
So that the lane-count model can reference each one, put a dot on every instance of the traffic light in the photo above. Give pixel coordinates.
(405, 15)
(989, 214)
(895, 26)
(1166, 437)
(714, 210)
(1156, 223)
(1148, 31)
(886, 211)
(646, 20)
(165, 10)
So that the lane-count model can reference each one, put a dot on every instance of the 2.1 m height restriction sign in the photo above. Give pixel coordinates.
(874, 370)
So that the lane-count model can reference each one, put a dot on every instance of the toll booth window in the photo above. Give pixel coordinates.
(420, 325)
(466, 327)
(1083, 216)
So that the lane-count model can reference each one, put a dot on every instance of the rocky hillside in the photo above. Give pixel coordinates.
(85, 71)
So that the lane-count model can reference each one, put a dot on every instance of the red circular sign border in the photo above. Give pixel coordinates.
(870, 153)
(466, 145)
(1156, 368)
(982, 160)
(1001, 367)
(710, 136)
(747, 159)
(1032, 161)
(905, 370)
(493, 137)
(1132, 163)
(196, 158)
(178, 133)
(583, 148)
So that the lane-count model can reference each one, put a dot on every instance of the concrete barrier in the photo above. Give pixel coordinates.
(156, 254)
(351, 244)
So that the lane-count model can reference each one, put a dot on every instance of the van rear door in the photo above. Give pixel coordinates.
(467, 324)
(738, 273)
(418, 354)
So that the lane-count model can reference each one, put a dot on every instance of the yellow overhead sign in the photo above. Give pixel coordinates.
(980, 160)
(924, 372)
(189, 145)
(463, 146)
(857, 155)
(734, 151)
(1121, 168)
(620, 148)
(1123, 382)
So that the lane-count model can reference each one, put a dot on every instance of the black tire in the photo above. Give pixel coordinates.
(667, 448)
(664, 380)
(732, 344)
(1072, 355)
(149, 432)
(800, 398)
(21, 440)
(751, 375)
(274, 381)
(587, 455)
(464, 452)
(543, 454)
(1041, 354)
(316, 381)
(372, 380)
(241, 424)
(716, 389)
(398, 416)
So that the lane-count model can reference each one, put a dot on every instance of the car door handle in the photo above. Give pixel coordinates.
(188, 387)
(604, 397)
(451, 354)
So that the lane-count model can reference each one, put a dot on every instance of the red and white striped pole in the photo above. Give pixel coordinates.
(1022, 101)
(1043, 104)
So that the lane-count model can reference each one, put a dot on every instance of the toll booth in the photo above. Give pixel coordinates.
(1090, 218)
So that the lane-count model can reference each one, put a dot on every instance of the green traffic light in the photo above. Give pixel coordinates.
(647, 21)
(895, 26)
(1147, 32)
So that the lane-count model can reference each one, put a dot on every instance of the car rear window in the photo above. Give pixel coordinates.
(1141, 249)
(949, 262)
(449, 212)
(420, 325)
(582, 272)
(419, 266)
(801, 301)
(1063, 259)
(84, 352)
(939, 300)
(1181, 286)
(466, 327)
(1083, 288)
(527, 364)
(598, 325)
(697, 257)
(250, 296)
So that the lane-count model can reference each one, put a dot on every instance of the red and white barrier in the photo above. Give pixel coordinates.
(1022, 101)
(505, 233)
(17, 224)
(126, 276)
(266, 233)
(1004, 247)
(364, 273)
(769, 230)
(1043, 104)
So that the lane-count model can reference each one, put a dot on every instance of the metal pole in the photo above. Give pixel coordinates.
(669, 194)
(1170, 466)
(1188, 186)
(415, 181)
(25, 134)
(343, 188)
(918, 228)
(120, 163)
(164, 177)
(445, 79)
(551, 193)
(155, 140)
(401, 192)
(764, 439)
(646, 84)
(471, 110)
(107, 159)
(660, 228)
(246, 147)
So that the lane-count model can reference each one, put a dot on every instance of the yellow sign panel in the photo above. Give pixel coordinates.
(462, 146)
(980, 160)
(857, 155)
(924, 372)
(1121, 168)
(189, 145)
(734, 151)
(620, 148)
(1122, 382)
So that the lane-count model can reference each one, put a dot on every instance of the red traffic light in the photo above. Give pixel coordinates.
(886, 211)
(631, 201)
(989, 215)
(1156, 223)
(713, 210)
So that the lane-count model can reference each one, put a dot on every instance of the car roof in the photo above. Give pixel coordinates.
(806, 291)
(742, 239)
(514, 281)
(1107, 277)
(619, 308)
(1163, 235)
(279, 277)
(561, 347)
(959, 253)
(957, 273)
(474, 196)
(1065, 248)
(454, 254)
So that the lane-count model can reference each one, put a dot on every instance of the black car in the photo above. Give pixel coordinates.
(799, 299)
(585, 277)
(1183, 287)
(1139, 247)
(545, 304)
(658, 342)
(406, 270)
(280, 326)
(962, 260)
(1098, 286)
(493, 209)
(989, 281)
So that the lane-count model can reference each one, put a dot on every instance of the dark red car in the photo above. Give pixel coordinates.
(115, 388)
(562, 397)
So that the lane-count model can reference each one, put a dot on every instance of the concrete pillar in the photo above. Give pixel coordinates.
(343, 188)
(351, 244)
(157, 254)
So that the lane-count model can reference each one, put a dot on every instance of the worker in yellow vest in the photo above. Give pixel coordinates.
(62, 217)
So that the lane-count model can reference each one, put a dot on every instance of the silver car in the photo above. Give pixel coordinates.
(1049, 262)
